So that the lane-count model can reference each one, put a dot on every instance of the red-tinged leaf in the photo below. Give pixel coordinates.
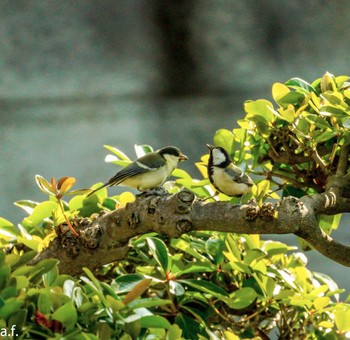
(60, 182)
(67, 184)
(54, 185)
(44, 185)
(137, 291)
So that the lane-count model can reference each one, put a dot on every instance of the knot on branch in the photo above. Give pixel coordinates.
(90, 237)
(267, 211)
(251, 210)
(66, 240)
(134, 219)
(185, 199)
(184, 226)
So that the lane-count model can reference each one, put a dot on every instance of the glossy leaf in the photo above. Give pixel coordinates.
(27, 205)
(142, 150)
(225, 139)
(121, 155)
(126, 283)
(189, 326)
(242, 298)
(215, 248)
(262, 108)
(137, 291)
(206, 287)
(42, 211)
(300, 84)
(160, 253)
(174, 333)
(66, 314)
(154, 321)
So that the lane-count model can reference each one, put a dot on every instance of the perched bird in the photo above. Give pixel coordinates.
(149, 171)
(225, 176)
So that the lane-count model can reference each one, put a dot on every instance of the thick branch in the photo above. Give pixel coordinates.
(106, 239)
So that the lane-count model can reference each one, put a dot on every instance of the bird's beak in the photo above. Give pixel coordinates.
(210, 147)
(183, 157)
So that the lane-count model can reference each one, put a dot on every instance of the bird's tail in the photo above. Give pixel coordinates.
(102, 186)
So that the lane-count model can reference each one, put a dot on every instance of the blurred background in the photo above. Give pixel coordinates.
(75, 75)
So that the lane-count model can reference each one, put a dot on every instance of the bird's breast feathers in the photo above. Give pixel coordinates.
(147, 180)
(227, 181)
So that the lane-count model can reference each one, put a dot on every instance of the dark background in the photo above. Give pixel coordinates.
(75, 75)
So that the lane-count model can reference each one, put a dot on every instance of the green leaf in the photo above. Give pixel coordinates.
(288, 115)
(174, 333)
(50, 277)
(254, 255)
(42, 267)
(176, 288)
(323, 136)
(148, 303)
(26, 205)
(279, 90)
(342, 320)
(125, 283)
(142, 150)
(7, 229)
(154, 321)
(242, 298)
(291, 98)
(185, 246)
(160, 252)
(189, 326)
(206, 287)
(225, 139)
(332, 111)
(262, 108)
(12, 306)
(276, 248)
(67, 315)
(318, 121)
(329, 222)
(44, 302)
(121, 155)
(261, 189)
(42, 211)
(321, 302)
(215, 247)
(300, 84)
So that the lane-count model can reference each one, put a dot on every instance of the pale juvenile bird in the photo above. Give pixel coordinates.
(225, 176)
(149, 171)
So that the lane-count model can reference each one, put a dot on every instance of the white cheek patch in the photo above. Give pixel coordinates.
(218, 157)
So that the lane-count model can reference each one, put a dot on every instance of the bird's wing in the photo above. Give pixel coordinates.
(137, 168)
(238, 175)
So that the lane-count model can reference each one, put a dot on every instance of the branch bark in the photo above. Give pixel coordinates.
(105, 239)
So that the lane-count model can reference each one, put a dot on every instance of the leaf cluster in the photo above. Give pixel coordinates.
(203, 284)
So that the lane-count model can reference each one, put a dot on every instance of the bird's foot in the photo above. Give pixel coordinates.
(159, 191)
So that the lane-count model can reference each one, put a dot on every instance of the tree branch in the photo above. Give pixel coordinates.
(105, 239)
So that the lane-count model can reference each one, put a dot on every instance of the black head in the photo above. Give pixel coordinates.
(172, 151)
(218, 156)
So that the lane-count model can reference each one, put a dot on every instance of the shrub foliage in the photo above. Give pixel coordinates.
(203, 284)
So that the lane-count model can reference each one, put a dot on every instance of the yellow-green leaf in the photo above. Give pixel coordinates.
(44, 185)
(279, 90)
